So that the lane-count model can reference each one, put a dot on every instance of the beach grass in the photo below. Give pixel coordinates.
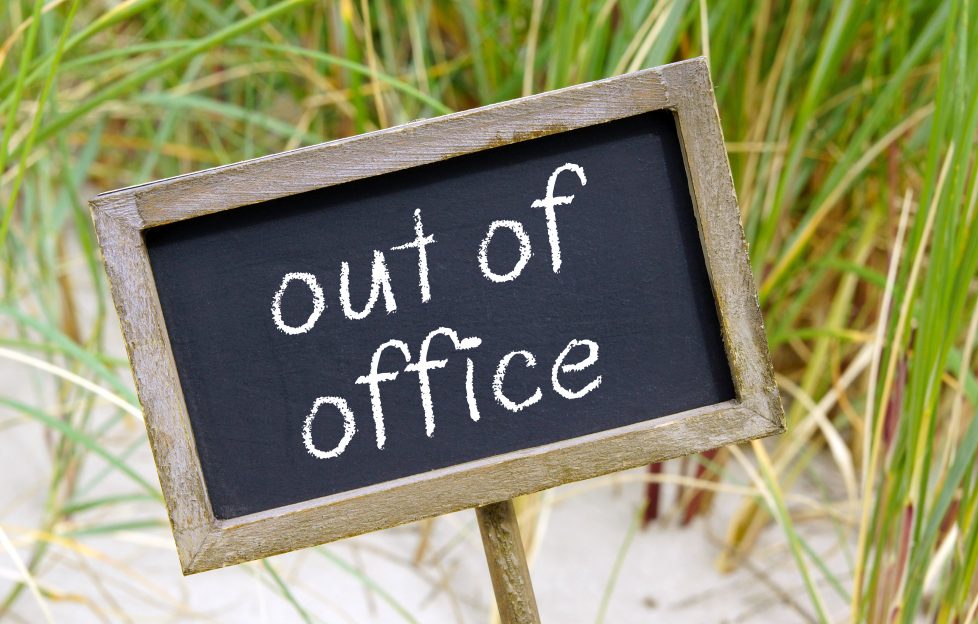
(851, 129)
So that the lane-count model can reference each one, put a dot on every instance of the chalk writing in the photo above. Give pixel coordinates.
(380, 285)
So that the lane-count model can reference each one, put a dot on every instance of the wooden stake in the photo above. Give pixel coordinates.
(507, 563)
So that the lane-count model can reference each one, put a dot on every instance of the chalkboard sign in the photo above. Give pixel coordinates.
(440, 315)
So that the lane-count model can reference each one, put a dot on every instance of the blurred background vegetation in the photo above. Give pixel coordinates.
(851, 130)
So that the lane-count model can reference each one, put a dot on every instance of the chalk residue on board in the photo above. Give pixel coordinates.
(559, 366)
(548, 203)
(497, 382)
(525, 252)
(380, 279)
(423, 365)
(373, 380)
(349, 428)
(470, 390)
(318, 303)
(420, 242)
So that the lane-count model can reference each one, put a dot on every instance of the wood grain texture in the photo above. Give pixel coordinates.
(507, 563)
(204, 543)
(154, 372)
(401, 147)
(722, 235)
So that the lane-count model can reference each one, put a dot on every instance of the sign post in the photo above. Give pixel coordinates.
(440, 316)
(507, 563)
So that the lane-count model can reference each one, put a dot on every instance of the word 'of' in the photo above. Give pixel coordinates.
(380, 285)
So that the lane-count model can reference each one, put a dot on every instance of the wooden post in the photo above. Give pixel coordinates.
(507, 563)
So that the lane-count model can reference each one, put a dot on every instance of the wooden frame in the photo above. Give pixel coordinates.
(204, 542)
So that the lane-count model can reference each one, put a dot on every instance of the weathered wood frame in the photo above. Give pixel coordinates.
(204, 543)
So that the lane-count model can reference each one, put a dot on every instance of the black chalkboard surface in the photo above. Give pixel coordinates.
(631, 288)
